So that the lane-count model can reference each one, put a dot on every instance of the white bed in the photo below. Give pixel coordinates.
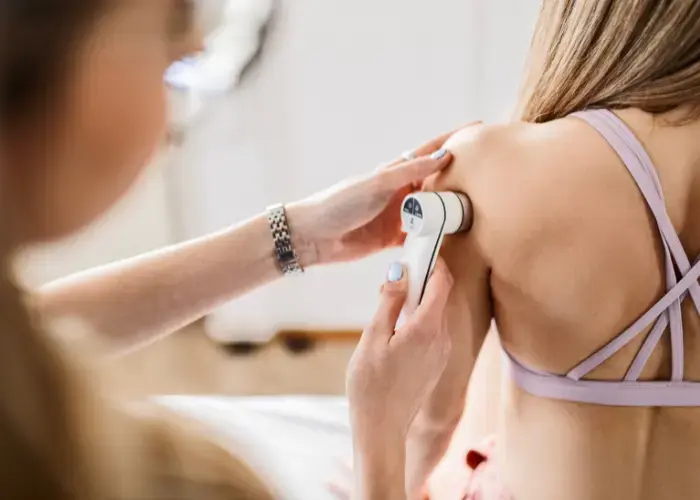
(297, 442)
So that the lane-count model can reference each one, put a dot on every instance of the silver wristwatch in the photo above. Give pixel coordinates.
(282, 238)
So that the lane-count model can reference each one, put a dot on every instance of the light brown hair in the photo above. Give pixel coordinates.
(613, 54)
(64, 438)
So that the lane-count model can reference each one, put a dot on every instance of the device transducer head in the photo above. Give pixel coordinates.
(426, 213)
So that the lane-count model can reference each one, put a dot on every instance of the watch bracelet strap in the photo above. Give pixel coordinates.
(282, 239)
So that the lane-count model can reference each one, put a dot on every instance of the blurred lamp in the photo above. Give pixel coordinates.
(235, 33)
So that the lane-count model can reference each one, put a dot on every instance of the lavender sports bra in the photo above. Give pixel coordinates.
(667, 311)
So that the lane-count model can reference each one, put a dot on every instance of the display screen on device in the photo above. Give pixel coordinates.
(413, 207)
(414, 211)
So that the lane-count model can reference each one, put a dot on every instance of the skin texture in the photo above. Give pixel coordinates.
(563, 255)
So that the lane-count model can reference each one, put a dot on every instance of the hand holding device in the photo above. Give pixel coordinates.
(427, 217)
(392, 374)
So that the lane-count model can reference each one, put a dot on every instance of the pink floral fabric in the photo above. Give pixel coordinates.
(485, 482)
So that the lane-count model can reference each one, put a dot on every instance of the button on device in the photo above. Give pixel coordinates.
(408, 206)
(411, 223)
(417, 210)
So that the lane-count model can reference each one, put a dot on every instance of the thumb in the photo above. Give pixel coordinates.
(392, 299)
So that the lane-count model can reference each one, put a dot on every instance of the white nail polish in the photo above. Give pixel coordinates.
(439, 154)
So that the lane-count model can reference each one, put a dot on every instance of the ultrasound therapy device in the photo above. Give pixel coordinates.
(426, 217)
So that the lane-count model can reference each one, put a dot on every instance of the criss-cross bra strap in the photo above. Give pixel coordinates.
(665, 313)
(674, 315)
(642, 170)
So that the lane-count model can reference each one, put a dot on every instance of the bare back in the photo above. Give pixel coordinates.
(573, 257)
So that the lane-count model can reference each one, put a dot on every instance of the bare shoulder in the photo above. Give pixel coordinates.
(522, 161)
(527, 180)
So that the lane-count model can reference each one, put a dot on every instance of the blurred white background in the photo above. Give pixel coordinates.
(340, 87)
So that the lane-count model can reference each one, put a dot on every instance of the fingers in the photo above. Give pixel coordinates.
(391, 302)
(432, 306)
(407, 173)
(428, 148)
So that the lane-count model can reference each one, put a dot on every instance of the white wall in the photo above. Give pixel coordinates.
(342, 87)
(501, 43)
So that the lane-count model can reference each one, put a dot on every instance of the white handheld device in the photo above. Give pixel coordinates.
(426, 218)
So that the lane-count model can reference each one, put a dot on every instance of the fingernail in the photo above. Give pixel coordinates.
(439, 154)
(395, 271)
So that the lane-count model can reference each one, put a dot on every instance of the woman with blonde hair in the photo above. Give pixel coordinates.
(584, 251)
(82, 107)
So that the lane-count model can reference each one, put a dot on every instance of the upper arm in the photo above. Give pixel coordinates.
(469, 310)
(528, 185)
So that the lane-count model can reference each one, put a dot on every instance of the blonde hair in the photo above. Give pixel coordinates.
(63, 439)
(613, 54)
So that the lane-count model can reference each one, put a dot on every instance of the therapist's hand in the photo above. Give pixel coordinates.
(391, 373)
(361, 216)
(393, 369)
